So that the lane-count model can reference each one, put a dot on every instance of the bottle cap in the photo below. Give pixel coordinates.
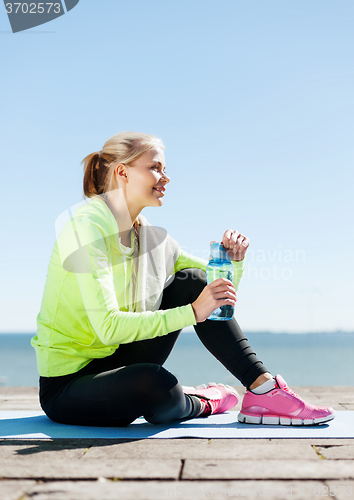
(218, 252)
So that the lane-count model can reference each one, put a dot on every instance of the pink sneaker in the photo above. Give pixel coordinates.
(220, 397)
(281, 406)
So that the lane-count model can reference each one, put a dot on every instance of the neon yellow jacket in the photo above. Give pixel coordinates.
(84, 315)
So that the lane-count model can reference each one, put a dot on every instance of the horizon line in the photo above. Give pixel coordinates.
(246, 332)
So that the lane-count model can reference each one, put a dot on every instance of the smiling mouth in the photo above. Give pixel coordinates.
(160, 190)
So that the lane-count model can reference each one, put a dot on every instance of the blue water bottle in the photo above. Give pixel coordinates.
(220, 266)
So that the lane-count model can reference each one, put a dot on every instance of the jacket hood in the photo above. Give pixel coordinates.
(93, 222)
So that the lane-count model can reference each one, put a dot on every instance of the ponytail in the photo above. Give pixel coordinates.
(91, 167)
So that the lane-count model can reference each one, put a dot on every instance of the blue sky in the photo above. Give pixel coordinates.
(254, 102)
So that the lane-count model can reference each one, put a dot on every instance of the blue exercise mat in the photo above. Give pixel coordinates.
(36, 425)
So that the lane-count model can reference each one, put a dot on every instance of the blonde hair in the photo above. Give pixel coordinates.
(125, 147)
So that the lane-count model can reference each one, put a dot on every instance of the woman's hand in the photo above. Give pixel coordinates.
(236, 244)
(220, 292)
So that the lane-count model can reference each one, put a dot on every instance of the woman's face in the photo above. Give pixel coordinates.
(146, 180)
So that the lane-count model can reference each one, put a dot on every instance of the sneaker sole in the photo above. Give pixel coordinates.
(278, 420)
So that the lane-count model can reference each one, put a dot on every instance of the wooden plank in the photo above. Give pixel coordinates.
(89, 469)
(205, 449)
(186, 490)
(13, 490)
(268, 469)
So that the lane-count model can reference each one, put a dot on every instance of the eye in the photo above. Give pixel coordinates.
(157, 167)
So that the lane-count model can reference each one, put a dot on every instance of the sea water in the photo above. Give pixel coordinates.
(302, 359)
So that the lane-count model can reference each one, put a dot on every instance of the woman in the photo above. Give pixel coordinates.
(117, 295)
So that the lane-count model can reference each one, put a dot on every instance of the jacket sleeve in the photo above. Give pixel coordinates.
(85, 250)
(186, 261)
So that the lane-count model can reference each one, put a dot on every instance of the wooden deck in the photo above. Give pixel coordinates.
(75, 469)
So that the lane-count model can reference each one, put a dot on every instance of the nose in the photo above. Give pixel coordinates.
(165, 178)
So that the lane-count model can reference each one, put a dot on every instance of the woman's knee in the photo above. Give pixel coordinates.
(185, 288)
(192, 274)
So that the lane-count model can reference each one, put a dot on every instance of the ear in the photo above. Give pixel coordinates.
(120, 172)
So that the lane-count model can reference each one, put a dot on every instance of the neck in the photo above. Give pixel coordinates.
(124, 215)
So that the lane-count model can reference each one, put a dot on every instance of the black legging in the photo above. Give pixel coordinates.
(115, 390)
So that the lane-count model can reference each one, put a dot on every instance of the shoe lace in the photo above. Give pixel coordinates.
(292, 393)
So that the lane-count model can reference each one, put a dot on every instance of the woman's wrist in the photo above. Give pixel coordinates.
(195, 315)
